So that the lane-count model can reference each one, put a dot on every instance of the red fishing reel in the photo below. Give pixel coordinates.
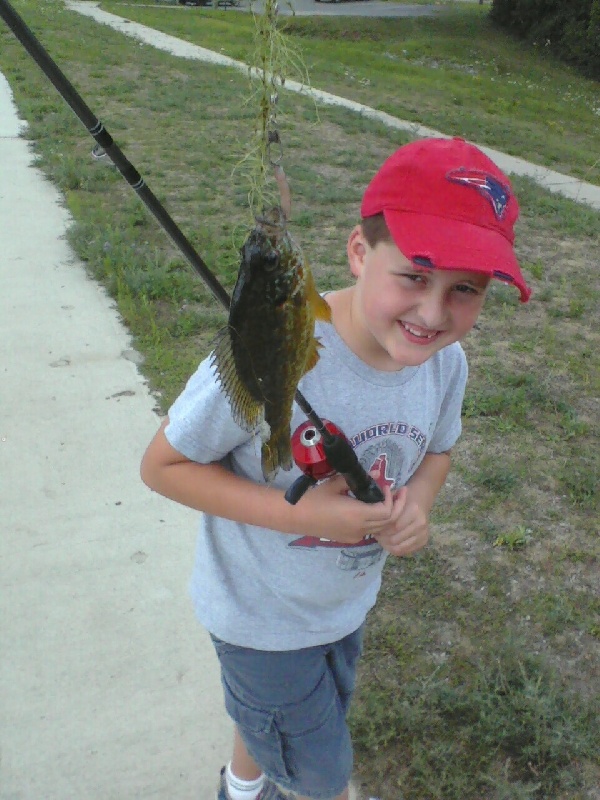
(308, 451)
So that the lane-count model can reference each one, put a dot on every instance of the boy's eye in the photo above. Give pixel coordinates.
(462, 287)
(465, 288)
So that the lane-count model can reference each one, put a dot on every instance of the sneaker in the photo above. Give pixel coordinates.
(270, 791)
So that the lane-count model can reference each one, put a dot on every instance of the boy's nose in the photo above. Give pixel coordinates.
(432, 310)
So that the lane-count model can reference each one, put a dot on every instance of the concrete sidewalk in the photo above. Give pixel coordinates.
(110, 689)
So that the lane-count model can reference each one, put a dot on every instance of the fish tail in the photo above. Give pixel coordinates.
(276, 453)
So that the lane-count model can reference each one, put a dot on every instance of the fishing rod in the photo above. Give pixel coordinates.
(338, 451)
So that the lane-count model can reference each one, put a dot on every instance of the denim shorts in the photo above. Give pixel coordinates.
(290, 709)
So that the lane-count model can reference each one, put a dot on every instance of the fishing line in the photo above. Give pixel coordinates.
(275, 59)
(339, 452)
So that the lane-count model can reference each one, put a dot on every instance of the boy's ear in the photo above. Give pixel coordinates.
(356, 250)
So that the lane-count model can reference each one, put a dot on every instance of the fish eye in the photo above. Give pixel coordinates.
(270, 261)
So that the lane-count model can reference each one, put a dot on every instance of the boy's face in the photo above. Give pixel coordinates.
(401, 315)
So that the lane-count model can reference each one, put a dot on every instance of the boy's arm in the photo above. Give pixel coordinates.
(324, 511)
(410, 531)
(428, 479)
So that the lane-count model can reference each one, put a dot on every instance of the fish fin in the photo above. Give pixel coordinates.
(319, 304)
(312, 355)
(276, 453)
(245, 410)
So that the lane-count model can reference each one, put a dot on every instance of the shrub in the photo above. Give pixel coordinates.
(569, 28)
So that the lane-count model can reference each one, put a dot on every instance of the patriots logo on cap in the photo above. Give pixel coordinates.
(489, 187)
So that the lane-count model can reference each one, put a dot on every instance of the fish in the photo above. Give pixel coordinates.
(269, 342)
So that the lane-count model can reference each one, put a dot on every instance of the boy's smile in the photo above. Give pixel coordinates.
(398, 314)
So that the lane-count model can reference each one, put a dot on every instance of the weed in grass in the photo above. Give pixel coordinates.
(515, 539)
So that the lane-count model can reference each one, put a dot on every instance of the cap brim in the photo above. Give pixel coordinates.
(452, 244)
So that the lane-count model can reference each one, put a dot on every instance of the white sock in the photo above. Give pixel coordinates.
(237, 789)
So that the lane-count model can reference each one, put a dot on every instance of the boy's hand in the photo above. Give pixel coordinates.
(326, 511)
(409, 531)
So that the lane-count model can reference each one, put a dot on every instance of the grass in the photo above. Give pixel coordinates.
(480, 673)
(506, 726)
(453, 72)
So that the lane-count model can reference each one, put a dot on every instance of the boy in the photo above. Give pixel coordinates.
(284, 590)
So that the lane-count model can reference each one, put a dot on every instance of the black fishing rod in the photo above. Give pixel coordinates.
(340, 455)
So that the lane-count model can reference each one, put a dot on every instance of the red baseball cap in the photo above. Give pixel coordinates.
(448, 206)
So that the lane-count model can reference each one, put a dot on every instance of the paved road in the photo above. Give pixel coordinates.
(341, 8)
(367, 8)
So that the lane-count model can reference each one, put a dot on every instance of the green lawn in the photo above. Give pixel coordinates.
(453, 72)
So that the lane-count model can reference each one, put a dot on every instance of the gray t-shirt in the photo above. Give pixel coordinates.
(267, 590)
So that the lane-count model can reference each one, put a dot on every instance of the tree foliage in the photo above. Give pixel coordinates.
(570, 28)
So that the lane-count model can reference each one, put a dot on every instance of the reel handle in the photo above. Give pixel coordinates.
(339, 452)
(298, 488)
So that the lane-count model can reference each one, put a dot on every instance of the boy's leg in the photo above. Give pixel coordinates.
(244, 767)
(290, 708)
